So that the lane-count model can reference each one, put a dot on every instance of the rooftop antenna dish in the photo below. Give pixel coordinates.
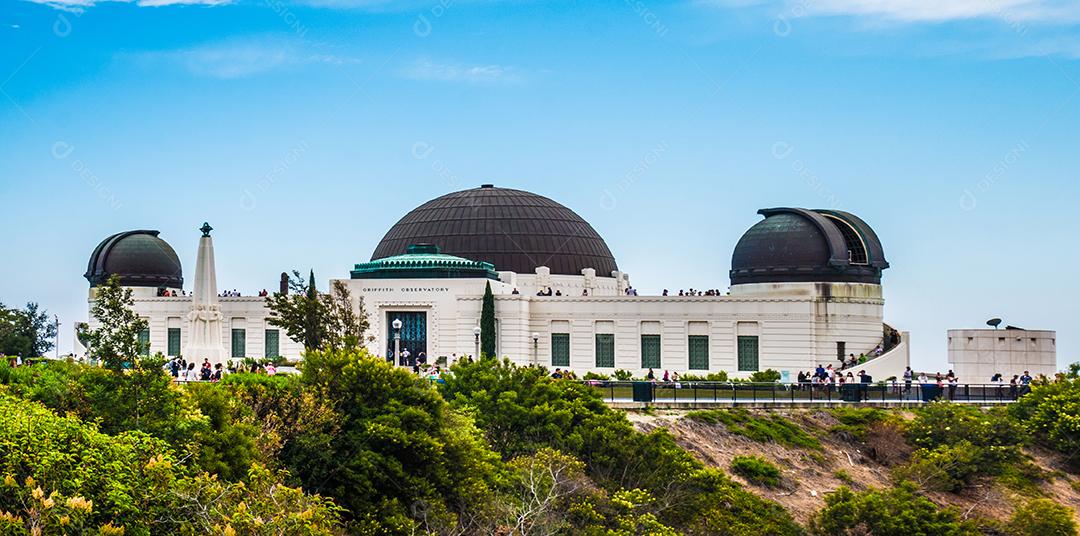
(994, 322)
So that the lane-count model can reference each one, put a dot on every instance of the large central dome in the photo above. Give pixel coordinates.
(514, 230)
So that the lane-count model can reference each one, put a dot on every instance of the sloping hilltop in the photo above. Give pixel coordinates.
(974, 463)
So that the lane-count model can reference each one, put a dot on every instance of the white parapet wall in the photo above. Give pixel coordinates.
(975, 355)
(891, 363)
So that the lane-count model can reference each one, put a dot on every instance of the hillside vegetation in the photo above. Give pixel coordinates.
(941, 469)
(357, 446)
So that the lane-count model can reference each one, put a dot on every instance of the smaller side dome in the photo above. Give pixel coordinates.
(800, 245)
(139, 258)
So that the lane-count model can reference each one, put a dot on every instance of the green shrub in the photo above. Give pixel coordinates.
(844, 476)
(771, 428)
(898, 511)
(942, 468)
(944, 423)
(856, 421)
(1049, 412)
(961, 442)
(624, 375)
(134, 484)
(1042, 517)
(594, 376)
(720, 376)
(765, 376)
(757, 470)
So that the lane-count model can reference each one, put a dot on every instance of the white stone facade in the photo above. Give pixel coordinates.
(975, 355)
(797, 325)
(247, 313)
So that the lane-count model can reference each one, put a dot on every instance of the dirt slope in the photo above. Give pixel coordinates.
(809, 474)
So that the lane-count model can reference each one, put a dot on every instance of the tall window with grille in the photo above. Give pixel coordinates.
(699, 352)
(650, 351)
(560, 349)
(239, 342)
(144, 341)
(174, 342)
(748, 353)
(605, 350)
(272, 344)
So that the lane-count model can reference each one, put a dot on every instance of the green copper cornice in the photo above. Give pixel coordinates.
(423, 261)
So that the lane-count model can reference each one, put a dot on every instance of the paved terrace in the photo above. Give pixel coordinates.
(691, 395)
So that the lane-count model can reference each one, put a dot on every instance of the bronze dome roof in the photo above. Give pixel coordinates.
(139, 258)
(514, 230)
(801, 245)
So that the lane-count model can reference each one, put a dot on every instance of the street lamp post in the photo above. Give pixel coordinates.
(397, 340)
(536, 348)
(476, 334)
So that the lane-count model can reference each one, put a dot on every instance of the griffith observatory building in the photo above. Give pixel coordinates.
(805, 288)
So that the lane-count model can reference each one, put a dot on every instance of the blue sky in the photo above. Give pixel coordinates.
(303, 130)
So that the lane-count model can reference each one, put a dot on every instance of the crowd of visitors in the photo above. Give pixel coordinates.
(166, 293)
(184, 372)
(695, 292)
(829, 376)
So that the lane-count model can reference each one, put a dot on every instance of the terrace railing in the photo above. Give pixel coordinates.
(736, 393)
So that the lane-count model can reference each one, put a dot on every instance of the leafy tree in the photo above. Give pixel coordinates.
(27, 333)
(15, 338)
(403, 460)
(318, 320)
(116, 339)
(293, 421)
(898, 511)
(303, 316)
(487, 324)
(42, 330)
(347, 323)
(544, 484)
(131, 483)
(223, 444)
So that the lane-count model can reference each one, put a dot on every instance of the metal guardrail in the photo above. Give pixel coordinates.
(736, 393)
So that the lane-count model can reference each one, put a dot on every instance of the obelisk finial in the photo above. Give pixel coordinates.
(206, 229)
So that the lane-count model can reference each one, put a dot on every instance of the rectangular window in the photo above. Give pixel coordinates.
(560, 349)
(605, 350)
(841, 350)
(272, 345)
(650, 351)
(239, 343)
(748, 353)
(144, 341)
(174, 342)
(699, 352)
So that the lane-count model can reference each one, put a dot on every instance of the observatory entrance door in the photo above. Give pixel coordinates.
(413, 334)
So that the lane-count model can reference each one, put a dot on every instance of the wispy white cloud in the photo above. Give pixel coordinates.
(1042, 11)
(426, 69)
(242, 58)
(78, 6)
(945, 10)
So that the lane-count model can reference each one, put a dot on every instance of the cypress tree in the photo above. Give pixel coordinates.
(487, 324)
(312, 318)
